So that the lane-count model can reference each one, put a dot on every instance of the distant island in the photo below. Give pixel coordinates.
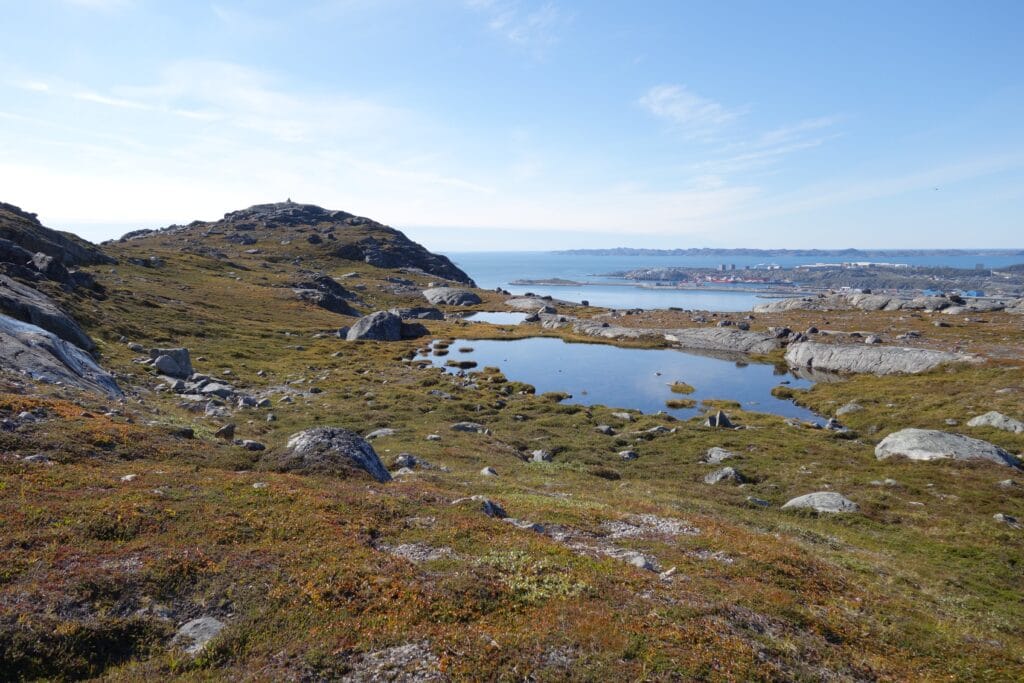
(846, 253)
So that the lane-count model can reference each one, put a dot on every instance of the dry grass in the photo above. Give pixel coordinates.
(98, 572)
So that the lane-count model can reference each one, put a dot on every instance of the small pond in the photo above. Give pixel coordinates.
(630, 378)
(495, 317)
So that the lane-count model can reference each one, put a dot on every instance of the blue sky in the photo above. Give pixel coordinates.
(521, 124)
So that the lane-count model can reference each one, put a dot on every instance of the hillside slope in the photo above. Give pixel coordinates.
(290, 230)
(596, 550)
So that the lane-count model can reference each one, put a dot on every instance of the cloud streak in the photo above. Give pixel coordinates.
(693, 116)
(533, 27)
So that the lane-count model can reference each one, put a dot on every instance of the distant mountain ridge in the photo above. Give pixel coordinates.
(846, 253)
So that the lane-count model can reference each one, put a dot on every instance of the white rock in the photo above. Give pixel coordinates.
(931, 444)
(823, 501)
(194, 635)
(998, 421)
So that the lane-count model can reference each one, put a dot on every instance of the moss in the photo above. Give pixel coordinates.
(679, 403)
(898, 592)
(681, 388)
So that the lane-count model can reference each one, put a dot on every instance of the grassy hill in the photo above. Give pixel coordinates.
(138, 518)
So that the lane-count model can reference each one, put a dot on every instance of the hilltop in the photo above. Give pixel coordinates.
(288, 230)
(227, 454)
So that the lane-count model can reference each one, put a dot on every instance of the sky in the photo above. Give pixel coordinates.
(526, 124)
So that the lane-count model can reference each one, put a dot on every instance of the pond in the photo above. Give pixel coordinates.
(495, 317)
(640, 379)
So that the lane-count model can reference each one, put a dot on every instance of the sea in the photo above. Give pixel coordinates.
(499, 269)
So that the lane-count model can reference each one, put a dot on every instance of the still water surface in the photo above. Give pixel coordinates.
(600, 374)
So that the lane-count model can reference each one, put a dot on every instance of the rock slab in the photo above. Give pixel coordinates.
(43, 356)
(932, 444)
(865, 359)
(823, 501)
(451, 296)
(998, 421)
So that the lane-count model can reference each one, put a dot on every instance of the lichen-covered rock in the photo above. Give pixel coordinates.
(418, 313)
(172, 362)
(724, 339)
(451, 296)
(997, 420)
(727, 474)
(193, 636)
(823, 501)
(932, 444)
(328, 450)
(876, 360)
(379, 326)
(325, 292)
(716, 455)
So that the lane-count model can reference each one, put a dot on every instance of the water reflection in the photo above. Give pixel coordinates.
(635, 378)
(495, 317)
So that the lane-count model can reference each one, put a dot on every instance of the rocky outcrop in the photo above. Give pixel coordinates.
(595, 328)
(932, 444)
(385, 248)
(418, 313)
(325, 232)
(726, 474)
(823, 501)
(384, 326)
(32, 306)
(724, 339)
(37, 353)
(532, 304)
(997, 420)
(172, 362)
(24, 229)
(328, 450)
(379, 326)
(856, 301)
(195, 635)
(868, 359)
(326, 293)
(451, 296)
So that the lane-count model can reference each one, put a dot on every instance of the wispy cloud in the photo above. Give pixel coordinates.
(239, 20)
(694, 116)
(770, 147)
(101, 5)
(534, 27)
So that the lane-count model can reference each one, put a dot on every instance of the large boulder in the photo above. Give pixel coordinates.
(379, 326)
(32, 306)
(451, 296)
(37, 353)
(823, 501)
(328, 450)
(172, 362)
(932, 444)
(865, 358)
(997, 420)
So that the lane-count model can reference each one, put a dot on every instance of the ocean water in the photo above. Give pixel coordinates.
(499, 269)
(631, 378)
